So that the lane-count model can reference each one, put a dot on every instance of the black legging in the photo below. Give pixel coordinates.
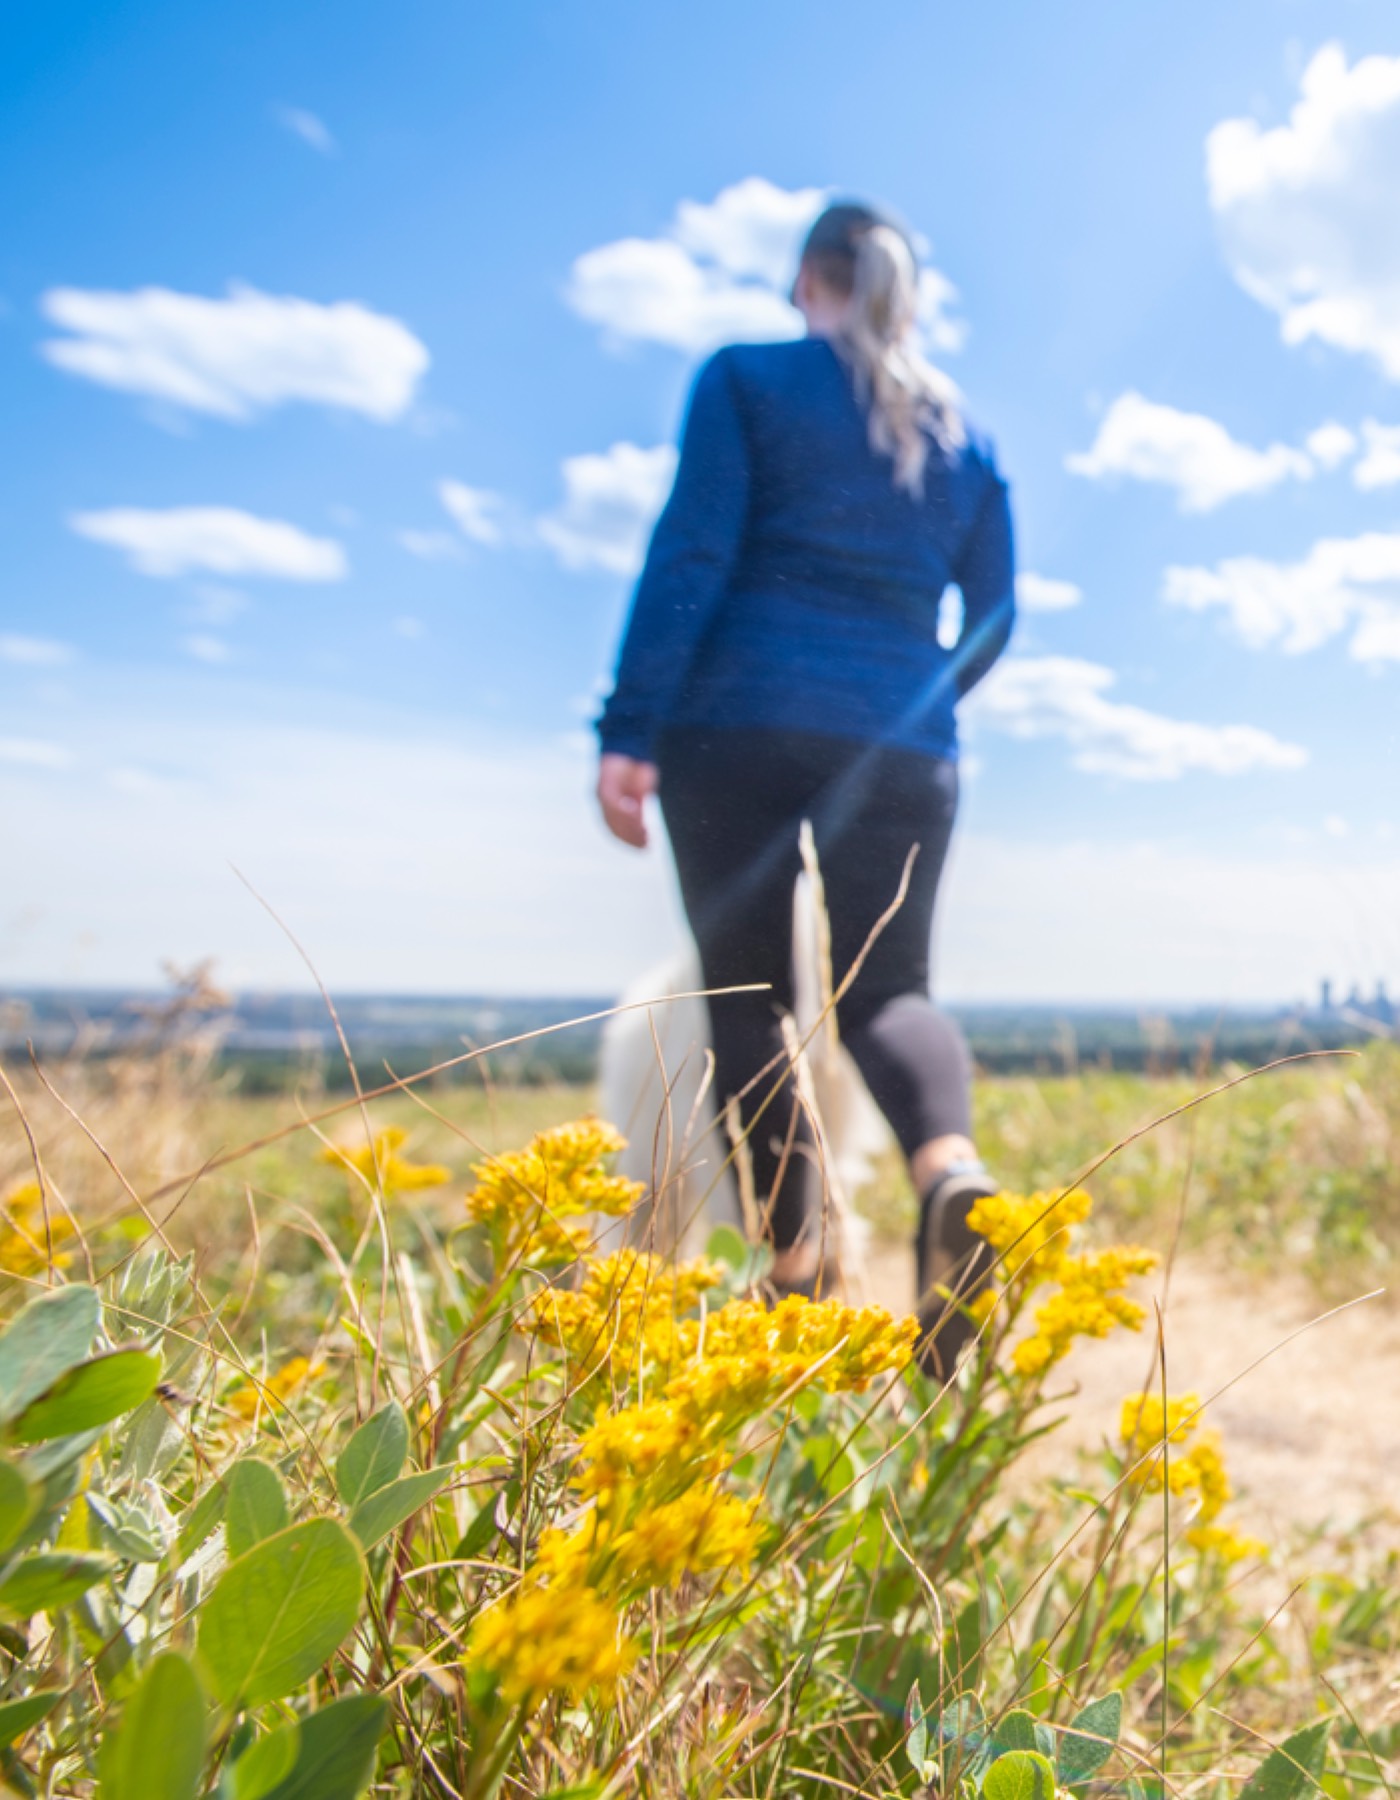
(734, 802)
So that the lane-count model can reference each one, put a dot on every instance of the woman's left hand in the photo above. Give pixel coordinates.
(624, 785)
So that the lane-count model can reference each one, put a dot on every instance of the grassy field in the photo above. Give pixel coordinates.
(593, 1527)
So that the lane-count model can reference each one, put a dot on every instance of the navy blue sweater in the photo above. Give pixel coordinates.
(789, 582)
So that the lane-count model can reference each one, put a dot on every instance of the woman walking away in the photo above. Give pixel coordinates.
(782, 662)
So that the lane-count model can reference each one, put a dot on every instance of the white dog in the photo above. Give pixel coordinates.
(655, 1079)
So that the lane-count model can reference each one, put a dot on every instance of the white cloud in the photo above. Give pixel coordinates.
(1306, 211)
(1380, 463)
(308, 127)
(476, 512)
(1061, 696)
(1341, 583)
(219, 539)
(33, 652)
(215, 604)
(611, 500)
(34, 753)
(238, 356)
(1042, 593)
(407, 627)
(1186, 451)
(1330, 445)
(206, 649)
(720, 272)
(432, 546)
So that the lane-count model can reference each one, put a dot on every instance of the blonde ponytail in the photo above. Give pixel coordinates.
(907, 398)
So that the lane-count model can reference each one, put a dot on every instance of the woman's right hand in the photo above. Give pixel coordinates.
(624, 785)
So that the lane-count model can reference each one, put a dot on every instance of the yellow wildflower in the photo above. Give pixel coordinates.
(628, 1304)
(704, 1529)
(543, 1638)
(276, 1390)
(1199, 1469)
(534, 1201)
(24, 1238)
(1222, 1542)
(1032, 1231)
(381, 1164)
(1089, 1303)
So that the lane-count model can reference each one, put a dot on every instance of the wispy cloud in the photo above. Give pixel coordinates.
(218, 540)
(1342, 584)
(1306, 210)
(34, 753)
(720, 272)
(611, 500)
(309, 127)
(238, 356)
(1188, 452)
(476, 512)
(1064, 697)
(34, 652)
(1042, 593)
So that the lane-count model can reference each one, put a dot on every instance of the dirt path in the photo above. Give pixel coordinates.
(1311, 1436)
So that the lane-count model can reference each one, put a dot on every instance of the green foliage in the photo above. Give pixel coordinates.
(334, 1751)
(94, 1393)
(43, 1341)
(255, 1506)
(374, 1455)
(157, 1751)
(1019, 1775)
(1090, 1740)
(202, 1598)
(279, 1611)
(1294, 1769)
(389, 1507)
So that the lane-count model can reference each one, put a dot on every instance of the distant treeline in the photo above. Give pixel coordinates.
(272, 1043)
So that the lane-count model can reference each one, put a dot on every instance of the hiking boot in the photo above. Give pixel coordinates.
(954, 1265)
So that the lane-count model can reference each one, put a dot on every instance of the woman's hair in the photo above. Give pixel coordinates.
(856, 254)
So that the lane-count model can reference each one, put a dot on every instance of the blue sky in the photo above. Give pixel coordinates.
(341, 355)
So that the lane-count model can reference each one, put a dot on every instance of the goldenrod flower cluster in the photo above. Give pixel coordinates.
(1033, 1233)
(651, 1474)
(381, 1165)
(275, 1390)
(1149, 1429)
(628, 1305)
(24, 1239)
(534, 1202)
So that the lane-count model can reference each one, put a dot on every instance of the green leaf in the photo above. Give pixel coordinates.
(916, 1727)
(18, 1716)
(1022, 1775)
(374, 1455)
(44, 1340)
(386, 1510)
(49, 1580)
(93, 1394)
(1294, 1769)
(198, 1520)
(257, 1505)
(265, 1762)
(335, 1759)
(18, 1499)
(1089, 1742)
(278, 1612)
(157, 1752)
(1017, 1732)
(726, 1245)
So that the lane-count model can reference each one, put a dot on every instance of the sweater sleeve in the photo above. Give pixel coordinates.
(986, 573)
(693, 550)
